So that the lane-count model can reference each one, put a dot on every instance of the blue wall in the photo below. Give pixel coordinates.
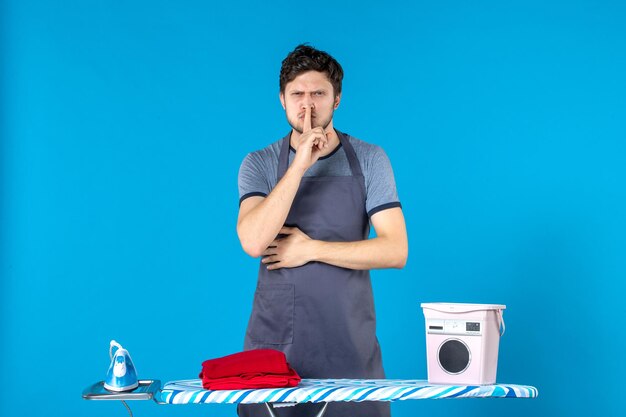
(123, 127)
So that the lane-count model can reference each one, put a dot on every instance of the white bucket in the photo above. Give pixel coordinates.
(462, 342)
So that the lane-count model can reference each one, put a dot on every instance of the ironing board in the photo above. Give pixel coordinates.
(328, 390)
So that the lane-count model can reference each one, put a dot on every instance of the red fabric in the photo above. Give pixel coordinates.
(259, 368)
(254, 381)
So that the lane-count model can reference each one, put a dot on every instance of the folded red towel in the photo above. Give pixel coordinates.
(253, 381)
(259, 368)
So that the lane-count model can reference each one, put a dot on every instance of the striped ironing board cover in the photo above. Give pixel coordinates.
(328, 390)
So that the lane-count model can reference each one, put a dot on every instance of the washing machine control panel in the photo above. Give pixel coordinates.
(459, 327)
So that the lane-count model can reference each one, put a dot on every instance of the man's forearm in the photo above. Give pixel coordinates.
(376, 253)
(260, 226)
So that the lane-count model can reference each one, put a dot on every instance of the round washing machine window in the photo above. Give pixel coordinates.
(454, 356)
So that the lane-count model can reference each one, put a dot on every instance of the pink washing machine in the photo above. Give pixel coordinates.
(462, 342)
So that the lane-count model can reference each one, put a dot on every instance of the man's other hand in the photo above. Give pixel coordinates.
(293, 250)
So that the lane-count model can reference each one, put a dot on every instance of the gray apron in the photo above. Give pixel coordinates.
(321, 316)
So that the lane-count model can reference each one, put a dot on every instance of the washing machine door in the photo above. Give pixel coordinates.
(454, 356)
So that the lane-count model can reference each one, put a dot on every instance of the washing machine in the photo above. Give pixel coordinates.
(462, 342)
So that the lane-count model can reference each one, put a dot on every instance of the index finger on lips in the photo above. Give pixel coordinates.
(307, 119)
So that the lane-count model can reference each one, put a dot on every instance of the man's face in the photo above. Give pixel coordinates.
(310, 89)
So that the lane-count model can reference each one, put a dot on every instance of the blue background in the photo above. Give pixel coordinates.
(124, 124)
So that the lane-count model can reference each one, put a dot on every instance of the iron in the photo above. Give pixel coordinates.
(121, 375)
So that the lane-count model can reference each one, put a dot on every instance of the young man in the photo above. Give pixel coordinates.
(306, 202)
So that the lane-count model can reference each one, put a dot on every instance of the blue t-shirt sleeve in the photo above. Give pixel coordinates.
(252, 179)
(380, 183)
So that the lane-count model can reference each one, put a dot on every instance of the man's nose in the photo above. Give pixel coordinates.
(307, 102)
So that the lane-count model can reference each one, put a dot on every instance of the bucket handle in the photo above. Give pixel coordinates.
(501, 324)
(114, 344)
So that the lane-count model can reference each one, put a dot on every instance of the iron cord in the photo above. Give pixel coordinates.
(128, 408)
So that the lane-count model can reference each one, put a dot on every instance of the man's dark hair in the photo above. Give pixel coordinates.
(306, 58)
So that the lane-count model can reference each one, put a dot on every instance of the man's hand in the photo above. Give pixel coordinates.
(311, 143)
(295, 249)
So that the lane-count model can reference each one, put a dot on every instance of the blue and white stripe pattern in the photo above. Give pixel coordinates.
(328, 390)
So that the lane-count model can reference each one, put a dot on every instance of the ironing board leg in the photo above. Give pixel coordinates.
(319, 414)
(322, 411)
(269, 410)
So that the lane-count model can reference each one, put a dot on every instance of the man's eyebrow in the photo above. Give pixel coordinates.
(298, 91)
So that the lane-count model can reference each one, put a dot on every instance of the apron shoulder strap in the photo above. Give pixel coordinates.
(283, 157)
(355, 167)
